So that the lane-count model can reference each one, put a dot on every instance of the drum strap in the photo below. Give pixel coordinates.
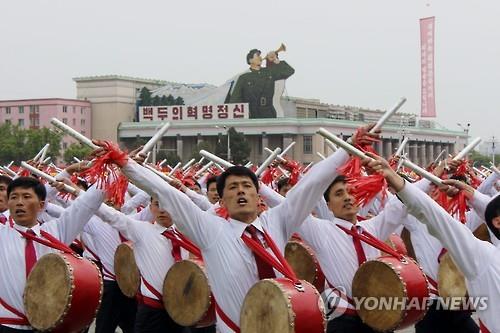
(183, 241)
(434, 285)
(373, 241)
(49, 241)
(152, 289)
(22, 320)
(226, 319)
(483, 328)
(279, 263)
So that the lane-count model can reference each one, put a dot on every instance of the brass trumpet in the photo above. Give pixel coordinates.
(282, 48)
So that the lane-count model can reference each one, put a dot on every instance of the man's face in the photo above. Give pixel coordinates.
(240, 198)
(256, 60)
(24, 206)
(162, 217)
(284, 190)
(195, 188)
(3, 197)
(341, 203)
(212, 194)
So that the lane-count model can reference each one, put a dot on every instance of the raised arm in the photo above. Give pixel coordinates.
(203, 228)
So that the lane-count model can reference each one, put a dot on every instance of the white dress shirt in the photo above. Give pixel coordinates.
(12, 247)
(231, 266)
(478, 260)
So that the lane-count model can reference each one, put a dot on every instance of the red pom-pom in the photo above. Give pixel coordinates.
(268, 175)
(365, 189)
(458, 206)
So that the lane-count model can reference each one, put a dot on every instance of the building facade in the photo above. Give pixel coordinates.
(37, 113)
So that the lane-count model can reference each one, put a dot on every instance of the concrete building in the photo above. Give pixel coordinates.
(36, 113)
(302, 119)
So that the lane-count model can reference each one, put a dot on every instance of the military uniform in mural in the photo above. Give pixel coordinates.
(257, 88)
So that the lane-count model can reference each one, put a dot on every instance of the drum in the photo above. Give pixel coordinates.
(187, 295)
(127, 274)
(278, 306)
(451, 281)
(387, 279)
(482, 233)
(63, 293)
(397, 244)
(304, 263)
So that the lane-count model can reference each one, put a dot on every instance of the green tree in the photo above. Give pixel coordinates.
(163, 100)
(145, 97)
(156, 101)
(480, 159)
(179, 101)
(76, 150)
(203, 145)
(240, 148)
(170, 100)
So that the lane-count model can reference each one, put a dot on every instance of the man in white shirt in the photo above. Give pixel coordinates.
(478, 260)
(18, 255)
(4, 210)
(231, 266)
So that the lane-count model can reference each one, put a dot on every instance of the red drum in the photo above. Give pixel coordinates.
(63, 293)
(387, 279)
(397, 244)
(304, 263)
(187, 295)
(277, 305)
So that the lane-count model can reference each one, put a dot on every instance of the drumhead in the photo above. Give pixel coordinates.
(266, 308)
(301, 261)
(127, 274)
(47, 295)
(377, 279)
(451, 281)
(186, 292)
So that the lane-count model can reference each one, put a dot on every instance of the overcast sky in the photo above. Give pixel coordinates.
(350, 52)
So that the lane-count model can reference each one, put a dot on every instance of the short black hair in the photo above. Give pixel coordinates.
(492, 211)
(197, 184)
(236, 170)
(5, 180)
(28, 182)
(251, 54)
(282, 183)
(211, 180)
(337, 179)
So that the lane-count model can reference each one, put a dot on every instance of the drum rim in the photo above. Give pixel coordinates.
(405, 289)
(320, 275)
(210, 298)
(448, 255)
(69, 303)
(117, 276)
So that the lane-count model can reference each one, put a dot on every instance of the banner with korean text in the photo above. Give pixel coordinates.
(194, 112)
(428, 101)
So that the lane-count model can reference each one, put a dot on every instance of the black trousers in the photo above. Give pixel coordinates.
(348, 324)
(116, 310)
(209, 329)
(5, 329)
(151, 320)
(437, 321)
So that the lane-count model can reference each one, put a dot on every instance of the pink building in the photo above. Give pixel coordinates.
(36, 113)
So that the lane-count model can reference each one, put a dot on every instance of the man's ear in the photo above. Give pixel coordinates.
(222, 203)
(42, 204)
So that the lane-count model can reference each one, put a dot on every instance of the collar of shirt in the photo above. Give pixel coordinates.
(238, 227)
(35, 228)
(161, 229)
(5, 213)
(343, 223)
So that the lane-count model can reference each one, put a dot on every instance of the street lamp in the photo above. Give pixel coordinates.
(228, 142)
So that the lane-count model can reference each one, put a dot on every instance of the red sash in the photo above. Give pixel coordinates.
(22, 320)
(483, 328)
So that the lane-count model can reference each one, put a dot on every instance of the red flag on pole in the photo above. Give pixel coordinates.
(428, 102)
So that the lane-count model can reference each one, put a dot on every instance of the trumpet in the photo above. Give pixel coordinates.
(282, 48)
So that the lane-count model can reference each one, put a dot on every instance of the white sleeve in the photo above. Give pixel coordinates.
(487, 185)
(124, 224)
(74, 218)
(479, 202)
(389, 219)
(198, 199)
(140, 198)
(468, 252)
(270, 196)
(301, 200)
(322, 211)
(144, 215)
(201, 227)
(54, 210)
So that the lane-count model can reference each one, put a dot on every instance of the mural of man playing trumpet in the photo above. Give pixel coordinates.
(257, 87)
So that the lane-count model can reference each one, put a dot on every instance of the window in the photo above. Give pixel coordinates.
(83, 132)
(65, 121)
(20, 122)
(81, 110)
(65, 145)
(7, 121)
(7, 110)
(21, 109)
(308, 144)
(82, 122)
(74, 109)
(65, 109)
(33, 109)
(74, 122)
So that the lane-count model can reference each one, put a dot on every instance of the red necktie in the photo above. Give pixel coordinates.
(263, 268)
(29, 253)
(358, 247)
(3, 219)
(176, 247)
